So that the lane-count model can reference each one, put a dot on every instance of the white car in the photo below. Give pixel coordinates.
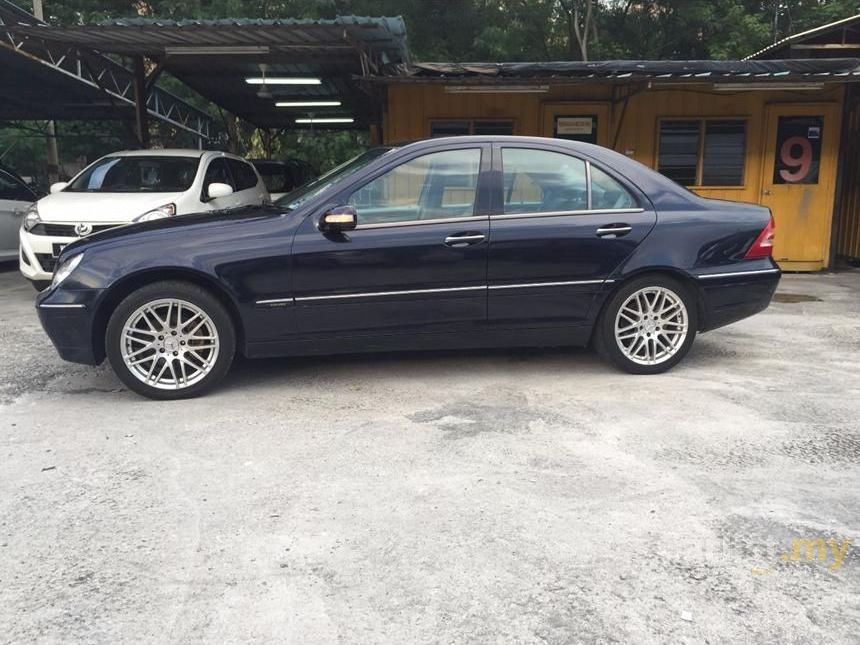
(132, 186)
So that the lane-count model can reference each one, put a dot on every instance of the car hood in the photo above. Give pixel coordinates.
(209, 219)
(100, 207)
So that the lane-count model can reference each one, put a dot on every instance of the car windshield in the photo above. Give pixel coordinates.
(296, 198)
(137, 174)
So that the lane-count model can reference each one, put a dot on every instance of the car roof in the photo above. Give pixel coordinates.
(165, 152)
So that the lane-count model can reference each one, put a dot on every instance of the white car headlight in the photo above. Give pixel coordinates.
(65, 269)
(168, 210)
(31, 217)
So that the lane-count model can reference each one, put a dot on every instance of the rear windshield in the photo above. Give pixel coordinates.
(137, 175)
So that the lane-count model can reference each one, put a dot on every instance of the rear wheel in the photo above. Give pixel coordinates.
(170, 340)
(648, 326)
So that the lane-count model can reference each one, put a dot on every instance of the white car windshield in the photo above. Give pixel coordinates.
(137, 174)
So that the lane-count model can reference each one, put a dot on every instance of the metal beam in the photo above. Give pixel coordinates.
(104, 74)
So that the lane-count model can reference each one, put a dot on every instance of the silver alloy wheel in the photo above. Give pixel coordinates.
(651, 325)
(169, 344)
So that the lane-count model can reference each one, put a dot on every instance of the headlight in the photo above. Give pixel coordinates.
(168, 210)
(31, 217)
(65, 269)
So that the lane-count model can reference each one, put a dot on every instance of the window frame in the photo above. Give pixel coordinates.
(471, 121)
(499, 207)
(700, 153)
(480, 212)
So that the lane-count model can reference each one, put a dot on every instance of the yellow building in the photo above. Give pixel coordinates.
(773, 132)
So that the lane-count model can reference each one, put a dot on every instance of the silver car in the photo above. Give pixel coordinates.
(15, 197)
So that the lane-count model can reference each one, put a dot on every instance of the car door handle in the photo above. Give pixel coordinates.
(464, 239)
(614, 230)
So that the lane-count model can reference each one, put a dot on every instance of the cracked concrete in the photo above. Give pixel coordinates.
(494, 496)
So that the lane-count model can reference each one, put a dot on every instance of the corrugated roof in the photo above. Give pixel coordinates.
(627, 70)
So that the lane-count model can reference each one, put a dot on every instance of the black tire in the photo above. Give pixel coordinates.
(196, 296)
(607, 345)
(40, 285)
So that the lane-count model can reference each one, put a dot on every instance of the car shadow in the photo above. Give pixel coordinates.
(413, 364)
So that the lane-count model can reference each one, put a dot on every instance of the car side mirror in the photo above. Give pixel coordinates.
(339, 219)
(55, 188)
(217, 189)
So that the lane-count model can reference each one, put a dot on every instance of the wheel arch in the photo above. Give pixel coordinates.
(131, 283)
(670, 272)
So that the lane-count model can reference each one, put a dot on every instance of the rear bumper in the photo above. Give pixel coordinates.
(67, 317)
(731, 296)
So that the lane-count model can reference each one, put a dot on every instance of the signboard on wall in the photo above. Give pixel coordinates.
(798, 149)
(576, 128)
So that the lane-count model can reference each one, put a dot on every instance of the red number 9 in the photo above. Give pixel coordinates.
(800, 163)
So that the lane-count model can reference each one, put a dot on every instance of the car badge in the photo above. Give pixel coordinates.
(83, 229)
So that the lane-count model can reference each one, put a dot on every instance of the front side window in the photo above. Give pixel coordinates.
(703, 152)
(439, 185)
(540, 181)
(137, 174)
(243, 174)
(218, 172)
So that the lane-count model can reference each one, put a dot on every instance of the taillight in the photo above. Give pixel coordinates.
(763, 245)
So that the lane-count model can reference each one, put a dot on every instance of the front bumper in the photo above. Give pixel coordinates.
(38, 253)
(68, 318)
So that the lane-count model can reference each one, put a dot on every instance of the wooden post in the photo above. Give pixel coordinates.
(141, 117)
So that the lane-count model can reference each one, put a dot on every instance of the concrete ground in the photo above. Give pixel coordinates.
(487, 497)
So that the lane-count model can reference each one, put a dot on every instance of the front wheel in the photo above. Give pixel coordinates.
(170, 340)
(648, 326)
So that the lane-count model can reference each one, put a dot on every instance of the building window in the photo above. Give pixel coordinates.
(465, 127)
(703, 152)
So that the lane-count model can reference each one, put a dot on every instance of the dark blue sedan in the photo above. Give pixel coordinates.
(446, 243)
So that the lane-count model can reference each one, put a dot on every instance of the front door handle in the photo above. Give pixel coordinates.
(464, 239)
(614, 230)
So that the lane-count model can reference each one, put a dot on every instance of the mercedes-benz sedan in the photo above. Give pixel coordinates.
(446, 243)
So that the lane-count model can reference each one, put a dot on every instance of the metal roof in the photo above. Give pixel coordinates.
(847, 25)
(795, 70)
(214, 57)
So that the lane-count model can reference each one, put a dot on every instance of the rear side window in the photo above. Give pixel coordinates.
(540, 181)
(14, 190)
(243, 174)
(607, 193)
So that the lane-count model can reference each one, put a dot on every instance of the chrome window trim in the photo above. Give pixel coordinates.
(599, 211)
(63, 306)
(734, 273)
(588, 185)
(420, 222)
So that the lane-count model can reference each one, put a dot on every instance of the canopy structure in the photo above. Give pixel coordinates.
(835, 39)
(248, 67)
(42, 79)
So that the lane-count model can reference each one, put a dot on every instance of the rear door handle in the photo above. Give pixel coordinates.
(464, 239)
(614, 230)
